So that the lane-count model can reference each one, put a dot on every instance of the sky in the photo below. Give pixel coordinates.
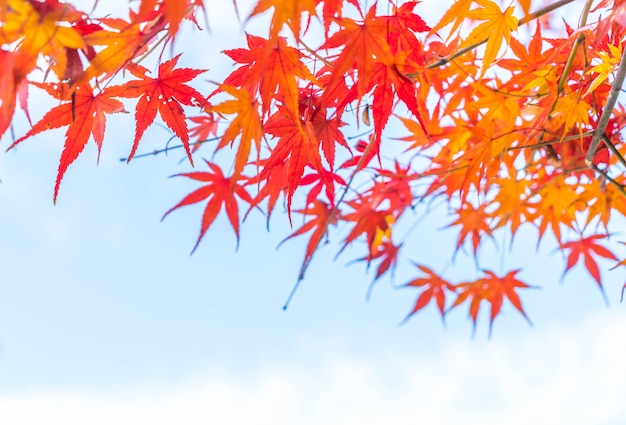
(106, 318)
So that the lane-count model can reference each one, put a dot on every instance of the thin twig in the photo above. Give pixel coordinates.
(158, 151)
(579, 40)
(617, 184)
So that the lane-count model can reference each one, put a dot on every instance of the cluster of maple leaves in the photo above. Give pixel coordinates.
(510, 130)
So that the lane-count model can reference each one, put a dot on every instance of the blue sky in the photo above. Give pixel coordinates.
(106, 318)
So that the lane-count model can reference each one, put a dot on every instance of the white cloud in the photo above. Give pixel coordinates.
(574, 374)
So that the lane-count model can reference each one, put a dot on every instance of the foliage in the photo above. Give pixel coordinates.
(511, 119)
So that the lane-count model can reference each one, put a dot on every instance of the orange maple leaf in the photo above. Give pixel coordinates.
(247, 123)
(173, 11)
(497, 27)
(493, 289)
(455, 14)
(435, 287)
(83, 112)
(123, 42)
(42, 29)
(474, 221)
(285, 12)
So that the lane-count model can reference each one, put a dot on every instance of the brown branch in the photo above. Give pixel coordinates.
(599, 132)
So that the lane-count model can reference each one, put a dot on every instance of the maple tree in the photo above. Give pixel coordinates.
(511, 118)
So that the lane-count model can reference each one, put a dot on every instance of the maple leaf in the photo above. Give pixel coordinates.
(474, 221)
(525, 4)
(493, 289)
(403, 26)
(498, 26)
(37, 26)
(173, 11)
(332, 11)
(164, 94)
(608, 63)
(456, 13)
(124, 41)
(362, 45)
(205, 129)
(587, 248)
(368, 220)
(74, 69)
(323, 215)
(247, 123)
(271, 65)
(220, 191)
(387, 252)
(320, 183)
(298, 142)
(435, 287)
(388, 81)
(329, 134)
(275, 186)
(558, 205)
(13, 85)
(83, 113)
(285, 12)
(571, 111)
(326, 124)
(514, 205)
(620, 264)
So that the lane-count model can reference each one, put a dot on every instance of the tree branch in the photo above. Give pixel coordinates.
(607, 111)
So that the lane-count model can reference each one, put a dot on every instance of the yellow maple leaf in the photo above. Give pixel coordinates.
(609, 61)
(525, 4)
(497, 27)
(457, 13)
(41, 33)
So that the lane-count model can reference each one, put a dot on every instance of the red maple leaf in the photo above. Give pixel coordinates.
(164, 94)
(323, 216)
(363, 44)
(271, 66)
(220, 191)
(298, 142)
(205, 129)
(587, 247)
